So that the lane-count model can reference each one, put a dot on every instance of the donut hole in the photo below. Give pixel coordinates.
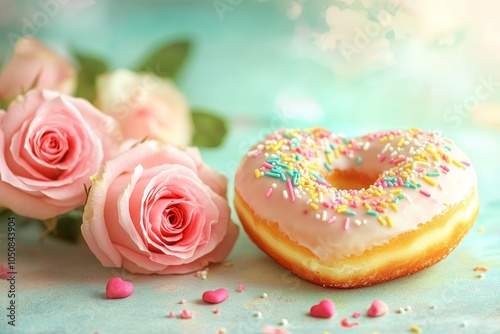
(350, 179)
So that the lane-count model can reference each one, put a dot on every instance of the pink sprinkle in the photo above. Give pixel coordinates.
(326, 205)
(290, 190)
(382, 157)
(420, 170)
(257, 153)
(400, 181)
(273, 330)
(466, 163)
(398, 160)
(269, 192)
(332, 219)
(425, 193)
(346, 223)
(377, 309)
(267, 165)
(356, 314)
(445, 168)
(216, 311)
(345, 323)
(186, 314)
(171, 315)
(240, 288)
(380, 209)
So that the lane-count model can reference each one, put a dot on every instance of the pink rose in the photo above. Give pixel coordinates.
(35, 65)
(50, 145)
(145, 105)
(158, 209)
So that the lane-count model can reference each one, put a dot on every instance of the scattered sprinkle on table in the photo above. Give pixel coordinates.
(346, 324)
(186, 314)
(415, 329)
(257, 314)
(240, 288)
(481, 269)
(264, 295)
(284, 322)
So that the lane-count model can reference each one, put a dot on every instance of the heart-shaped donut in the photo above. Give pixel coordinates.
(347, 212)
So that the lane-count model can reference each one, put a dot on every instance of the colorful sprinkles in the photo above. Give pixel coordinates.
(411, 161)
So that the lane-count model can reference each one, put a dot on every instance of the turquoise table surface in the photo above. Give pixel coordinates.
(252, 66)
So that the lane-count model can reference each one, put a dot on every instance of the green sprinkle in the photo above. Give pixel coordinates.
(283, 177)
(286, 134)
(448, 148)
(327, 166)
(433, 174)
(419, 185)
(297, 157)
(396, 200)
(289, 172)
(358, 160)
(282, 165)
(372, 213)
(350, 212)
(346, 140)
(401, 196)
(332, 147)
(271, 174)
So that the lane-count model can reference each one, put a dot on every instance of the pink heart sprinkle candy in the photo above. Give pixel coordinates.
(325, 309)
(215, 297)
(117, 288)
(377, 309)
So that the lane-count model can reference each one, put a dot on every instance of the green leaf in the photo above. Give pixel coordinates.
(210, 129)
(69, 226)
(90, 68)
(167, 60)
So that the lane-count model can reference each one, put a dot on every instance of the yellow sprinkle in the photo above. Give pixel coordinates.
(408, 165)
(367, 206)
(395, 191)
(377, 192)
(384, 204)
(458, 163)
(341, 148)
(336, 153)
(313, 167)
(257, 173)
(329, 158)
(314, 195)
(381, 220)
(389, 220)
(341, 209)
(383, 139)
(394, 207)
(314, 206)
(415, 329)
(401, 142)
(277, 146)
(391, 136)
(448, 159)
(436, 156)
(413, 181)
(407, 170)
(429, 180)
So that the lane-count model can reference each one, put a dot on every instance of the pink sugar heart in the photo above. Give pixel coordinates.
(215, 297)
(377, 309)
(325, 309)
(117, 288)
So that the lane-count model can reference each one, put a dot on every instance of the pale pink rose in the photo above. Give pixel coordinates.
(145, 105)
(35, 65)
(158, 209)
(50, 145)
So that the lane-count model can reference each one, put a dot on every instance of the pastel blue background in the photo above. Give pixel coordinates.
(248, 67)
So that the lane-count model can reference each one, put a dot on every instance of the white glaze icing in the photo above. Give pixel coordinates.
(428, 170)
